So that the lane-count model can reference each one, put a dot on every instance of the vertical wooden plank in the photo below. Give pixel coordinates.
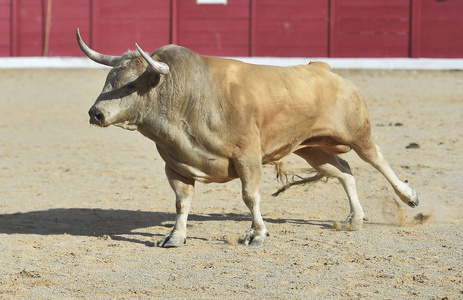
(333, 42)
(27, 28)
(14, 28)
(5, 27)
(66, 16)
(174, 22)
(254, 12)
(330, 26)
(415, 40)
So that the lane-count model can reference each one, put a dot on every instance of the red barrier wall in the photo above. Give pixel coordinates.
(296, 28)
(212, 29)
(5, 29)
(117, 24)
(366, 28)
(437, 28)
(26, 23)
(315, 28)
(64, 18)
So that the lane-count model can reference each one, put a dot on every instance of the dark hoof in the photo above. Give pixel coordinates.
(172, 242)
(415, 202)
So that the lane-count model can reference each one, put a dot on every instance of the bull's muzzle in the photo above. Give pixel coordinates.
(96, 116)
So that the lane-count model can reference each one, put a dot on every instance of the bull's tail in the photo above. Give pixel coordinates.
(282, 176)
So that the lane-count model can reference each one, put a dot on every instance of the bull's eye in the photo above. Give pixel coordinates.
(130, 87)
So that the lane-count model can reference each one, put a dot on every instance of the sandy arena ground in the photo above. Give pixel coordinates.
(81, 208)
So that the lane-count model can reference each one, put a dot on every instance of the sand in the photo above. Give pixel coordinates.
(82, 208)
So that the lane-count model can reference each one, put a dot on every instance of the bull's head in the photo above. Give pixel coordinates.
(125, 95)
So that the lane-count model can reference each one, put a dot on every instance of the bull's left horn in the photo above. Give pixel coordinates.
(103, 59)
(158, 66)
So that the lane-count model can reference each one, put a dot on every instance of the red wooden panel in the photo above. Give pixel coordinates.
(366, 28)
(212, 29)
(66, 16)
(290, 28)
(118, 24)
(27, 28)
(5, 30)
(437, 28)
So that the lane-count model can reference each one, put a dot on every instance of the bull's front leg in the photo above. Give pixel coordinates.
(184, 189)
(250, 175)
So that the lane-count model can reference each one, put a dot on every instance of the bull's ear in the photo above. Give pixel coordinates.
(158, 66)
(154, 79)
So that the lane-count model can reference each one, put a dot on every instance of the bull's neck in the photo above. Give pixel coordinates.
(184, 116)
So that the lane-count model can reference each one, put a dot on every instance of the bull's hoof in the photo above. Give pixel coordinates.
(408, 195)
(253, 239)
(414, 200)
(172, 241)
(351, 224)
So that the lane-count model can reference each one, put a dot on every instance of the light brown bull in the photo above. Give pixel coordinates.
(215, 119)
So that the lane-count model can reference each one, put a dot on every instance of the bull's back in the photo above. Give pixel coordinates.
(287, 104)
(297, 93)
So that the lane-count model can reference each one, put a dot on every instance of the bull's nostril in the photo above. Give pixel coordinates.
(96, 116)
(99, 116)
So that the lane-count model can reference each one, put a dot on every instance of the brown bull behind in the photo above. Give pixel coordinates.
(214, 120)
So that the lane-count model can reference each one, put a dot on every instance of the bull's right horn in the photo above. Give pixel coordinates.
(103, 59)
(158, 66)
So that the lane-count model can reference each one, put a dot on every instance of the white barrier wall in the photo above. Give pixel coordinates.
(336, 63)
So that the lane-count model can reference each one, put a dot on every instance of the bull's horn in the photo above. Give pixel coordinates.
(103, 59)
(158, 66)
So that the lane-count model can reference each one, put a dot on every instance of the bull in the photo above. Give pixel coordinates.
(216, 119)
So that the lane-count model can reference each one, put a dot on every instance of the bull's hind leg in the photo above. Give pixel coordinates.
(333, 166)
(184, 189)
(371, 153)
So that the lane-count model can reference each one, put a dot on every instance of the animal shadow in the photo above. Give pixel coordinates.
(117, 224)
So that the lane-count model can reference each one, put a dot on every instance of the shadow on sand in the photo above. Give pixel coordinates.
(117, 224)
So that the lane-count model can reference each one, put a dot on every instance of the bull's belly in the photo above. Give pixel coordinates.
(205, 169)
(325, 143)
(212, 172)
